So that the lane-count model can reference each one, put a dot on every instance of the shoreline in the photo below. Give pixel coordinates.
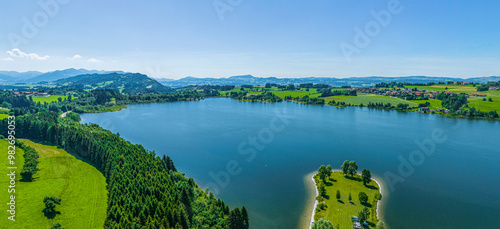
(415, 109)
(311, 219)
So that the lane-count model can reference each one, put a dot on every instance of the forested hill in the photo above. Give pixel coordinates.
(127, 83)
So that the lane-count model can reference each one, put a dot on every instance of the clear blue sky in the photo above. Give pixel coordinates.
(178, 38)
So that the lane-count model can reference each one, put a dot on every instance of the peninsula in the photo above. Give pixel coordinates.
(345, 198)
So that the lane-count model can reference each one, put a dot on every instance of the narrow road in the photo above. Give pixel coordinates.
(64, 114)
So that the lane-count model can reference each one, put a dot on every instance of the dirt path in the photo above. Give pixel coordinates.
(64, 114)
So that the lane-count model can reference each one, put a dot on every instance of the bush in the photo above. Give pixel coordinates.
(378, 196)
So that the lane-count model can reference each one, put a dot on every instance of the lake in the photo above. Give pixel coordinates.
(439, 172)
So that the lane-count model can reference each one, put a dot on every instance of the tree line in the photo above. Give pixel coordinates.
(30, 161)
(327, 92)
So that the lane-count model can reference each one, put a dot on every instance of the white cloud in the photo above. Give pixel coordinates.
(93, 60)
(75, 57)
(7, 59)
(19, 54)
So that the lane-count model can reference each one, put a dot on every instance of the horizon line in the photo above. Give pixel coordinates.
(226, 77)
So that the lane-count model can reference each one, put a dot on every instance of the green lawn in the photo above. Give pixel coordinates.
(365, 98)
(50, 99)
(340, 212)
(81, 187)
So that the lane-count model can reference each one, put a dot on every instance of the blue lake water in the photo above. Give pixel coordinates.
(257, 154)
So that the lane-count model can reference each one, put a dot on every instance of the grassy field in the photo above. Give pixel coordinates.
(337, 98)
(489, 92)
(50, 99)
(485, 106)
(435, 103)
(365, 98)
(81, 187)
(340, 212)
(468, 89)
(312, 93)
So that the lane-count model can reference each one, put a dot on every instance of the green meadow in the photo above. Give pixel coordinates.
(336, 98)
(80, 185)
(50, 99)
(339, 212)
(365, 98)
(468, 89)
(478, 103)
(435, 103)
(312, 93)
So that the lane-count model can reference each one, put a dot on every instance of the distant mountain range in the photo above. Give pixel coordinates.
(352, 81)
(62, 74)
(12, 77)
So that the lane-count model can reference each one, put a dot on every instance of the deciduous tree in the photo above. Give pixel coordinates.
(363, 198)
(366, 176)
(345, 167)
